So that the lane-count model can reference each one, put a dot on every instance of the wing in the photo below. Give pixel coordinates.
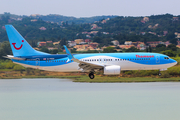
(85, 66)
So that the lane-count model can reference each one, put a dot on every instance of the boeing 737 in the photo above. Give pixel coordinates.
(108, 63)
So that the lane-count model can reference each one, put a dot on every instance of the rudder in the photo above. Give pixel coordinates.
(19, 46)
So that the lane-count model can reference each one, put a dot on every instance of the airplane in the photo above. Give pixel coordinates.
(108, 63)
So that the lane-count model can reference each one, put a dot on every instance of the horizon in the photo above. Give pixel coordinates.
(86, 17)
(85, 8)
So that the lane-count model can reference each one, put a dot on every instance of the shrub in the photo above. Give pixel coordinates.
(165, 74)
(18, 68)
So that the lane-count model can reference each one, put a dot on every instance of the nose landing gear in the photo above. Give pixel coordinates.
(91, 75)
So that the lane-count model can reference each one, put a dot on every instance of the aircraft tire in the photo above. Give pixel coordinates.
(91, 75)
(159, 74)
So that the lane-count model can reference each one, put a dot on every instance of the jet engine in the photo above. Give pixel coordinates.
(112, 70)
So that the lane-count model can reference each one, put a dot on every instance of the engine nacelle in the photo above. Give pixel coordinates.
(112, 70)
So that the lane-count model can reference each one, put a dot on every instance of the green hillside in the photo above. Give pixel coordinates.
(150, 28)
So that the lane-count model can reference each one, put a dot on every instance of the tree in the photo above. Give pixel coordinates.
(5, 49)
(160, 45)
(109, 50)
(132, 49)
(44, 49)
(169, 53)
(97, 39)
(63, 42)
(172, 47)
(55, 51)
(174, 41)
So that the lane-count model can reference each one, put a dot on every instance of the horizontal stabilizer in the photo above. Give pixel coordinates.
(12, 57)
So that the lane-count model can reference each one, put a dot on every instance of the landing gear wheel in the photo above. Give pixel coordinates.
(159, 74)
(91, 75)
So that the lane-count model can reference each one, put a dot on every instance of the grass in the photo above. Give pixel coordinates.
(84, 78)
(107, 79)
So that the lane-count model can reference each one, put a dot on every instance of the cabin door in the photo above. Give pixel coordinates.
(37, 62)
(157, 59)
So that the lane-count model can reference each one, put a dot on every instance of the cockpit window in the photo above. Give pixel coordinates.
(166, 58)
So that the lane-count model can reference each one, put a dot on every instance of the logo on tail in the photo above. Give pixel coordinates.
(16, 47)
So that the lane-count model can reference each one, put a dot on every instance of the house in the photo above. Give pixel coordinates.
(155, 43)
(156, 25)
(19, 19)
(128, 42)
(88, 36)
(126, 46)
(175, 18)
(51, 48)
(152, 33)
(150, 26)
(104, 21)
(105, 33)
(143, 33)
(81, 47)
(42, 28)
(165, 33)
(49, 41)
(36, 48)
(115, 42)
(35, 15)
(71, 43)
(94, 26)
(87, 40)
(94, 32)
(41, 44)
(178, 46)
(33, 20)
(56, 43)
(3, 27)
(146, 19)
(79, 41)
(141, 46)
(177, 35)
(167, 43)
(94, 45)
(178, 42)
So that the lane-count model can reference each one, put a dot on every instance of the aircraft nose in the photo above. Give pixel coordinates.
(174, 62)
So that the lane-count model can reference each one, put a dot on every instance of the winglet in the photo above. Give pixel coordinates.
(70, 56)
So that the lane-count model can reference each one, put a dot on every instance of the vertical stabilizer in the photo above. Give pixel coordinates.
(19, 46)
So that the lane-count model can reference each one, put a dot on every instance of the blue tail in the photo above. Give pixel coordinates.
(19, 46)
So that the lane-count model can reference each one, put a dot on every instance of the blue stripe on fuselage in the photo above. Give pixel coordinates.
(51, 60)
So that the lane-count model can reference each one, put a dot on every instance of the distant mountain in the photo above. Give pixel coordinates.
(60, 18)
(101, 29)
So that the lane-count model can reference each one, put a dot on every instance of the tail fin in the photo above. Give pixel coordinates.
(19, 46)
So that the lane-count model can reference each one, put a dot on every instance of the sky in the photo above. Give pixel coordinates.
(89, 8)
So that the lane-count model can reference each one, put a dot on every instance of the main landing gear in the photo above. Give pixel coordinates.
(159, 72)
(91, 75)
